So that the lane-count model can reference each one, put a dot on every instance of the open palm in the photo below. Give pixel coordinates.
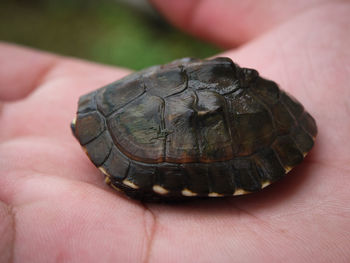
(54, 205)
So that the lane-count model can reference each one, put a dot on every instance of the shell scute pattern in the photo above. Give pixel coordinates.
(193, 128)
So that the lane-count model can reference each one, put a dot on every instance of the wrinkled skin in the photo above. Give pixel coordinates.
(55, 207)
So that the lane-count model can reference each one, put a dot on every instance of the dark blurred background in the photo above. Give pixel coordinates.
(126, 33)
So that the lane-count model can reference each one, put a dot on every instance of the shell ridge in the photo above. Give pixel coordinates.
(226, 117)
(163, 129)
(228, 125)
(194, 123)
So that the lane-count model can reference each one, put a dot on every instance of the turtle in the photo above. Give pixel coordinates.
(193, 128)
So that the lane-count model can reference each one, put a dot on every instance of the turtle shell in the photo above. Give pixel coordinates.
(193, 128)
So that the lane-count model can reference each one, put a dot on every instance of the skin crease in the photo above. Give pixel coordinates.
(54, 206)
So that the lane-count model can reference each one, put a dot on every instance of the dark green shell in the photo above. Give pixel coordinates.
(193, 128)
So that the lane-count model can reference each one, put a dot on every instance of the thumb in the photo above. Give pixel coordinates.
(230, 23)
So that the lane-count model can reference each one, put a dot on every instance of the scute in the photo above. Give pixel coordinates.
(197, 176)
(117, 165)
(268, 165)
(181, 143)
(292, 104)
(218, 75)
(246, 175)
(99, 148)
(170, 177)
(88, 126)
(267, 91)
(193, 128)
(309, 124)
(166, 82)
(118, 94)
(212, 127)
(221, 179)
(141, 175)
(137, 129)
(287, 151)
(282, 118)
(254, 131)
(87, 103)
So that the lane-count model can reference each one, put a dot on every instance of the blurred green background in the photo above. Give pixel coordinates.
(105, 31)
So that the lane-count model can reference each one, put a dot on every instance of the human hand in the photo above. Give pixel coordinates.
(55, 207)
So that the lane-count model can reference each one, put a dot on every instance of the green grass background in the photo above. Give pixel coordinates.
(101, 30)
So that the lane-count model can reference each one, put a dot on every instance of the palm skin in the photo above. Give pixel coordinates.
(54, 206)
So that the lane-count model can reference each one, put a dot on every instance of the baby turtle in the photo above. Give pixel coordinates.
(193, 128)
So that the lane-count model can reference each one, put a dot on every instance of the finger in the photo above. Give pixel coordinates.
(53, 102)
(38, 126)
(314, 70)
(21, 70)
(230, 23)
